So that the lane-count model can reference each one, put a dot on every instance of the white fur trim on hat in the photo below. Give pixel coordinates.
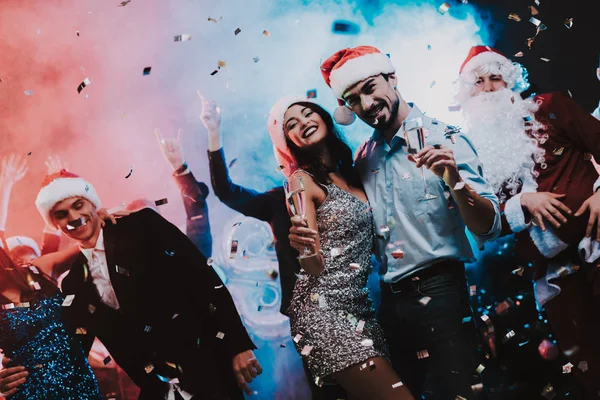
(484, 58)
(357, 69)
(63, 188)
(17, 241)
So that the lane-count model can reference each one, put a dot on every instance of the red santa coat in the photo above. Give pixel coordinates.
(573, 137)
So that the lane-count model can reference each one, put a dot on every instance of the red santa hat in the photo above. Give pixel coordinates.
(275, 126)
(348, 67)
(17, 241)
(62, 185)
(481, 55)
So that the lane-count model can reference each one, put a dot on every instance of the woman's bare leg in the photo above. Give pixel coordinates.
(373, 379)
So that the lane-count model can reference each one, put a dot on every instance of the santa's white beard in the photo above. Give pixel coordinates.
(496, 126)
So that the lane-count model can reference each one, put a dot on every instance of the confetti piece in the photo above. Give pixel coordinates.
(535, 21)
(432, 84)
(130, 171)
(189, 197)
(443, 9)
(161, 202)
(311, 94)
(534, 10)
(272, 274)
(306, 350)
(149, 368)
(34, 270)
(425, 300)
(256, 59)
(397, 385)
(514, 17)
(354, 266)
(558, 151)
(567, 368)
(195, 217)
(422, 354)
(480, 368)
(569, 23)
(68, 300)
(182, 38)
(77, 32)
(360, 326)
(220, 335)
(281, 167)
(35, 285)
(214, 72)
(322, 302)
(548, 392)
(570, 94)
(232, 163)
(466, 319)
(473, 290)
(454, 108)
(234, 248)
(508, 336)
(345, 27)
(28, 92)
(211, 19)
(125, 272)
(583, 366)
(571, 351)
(107, 360)
(297, 338)
(519, 271)
(459, 186)
(367, 342)
(428, 47)
(519, 54)
(544, 59)
(28, 154)
(147, 70)
(81, 331)
(221, 64)
(237, 31)
(147, 329)
(266, 33)
(375, 171)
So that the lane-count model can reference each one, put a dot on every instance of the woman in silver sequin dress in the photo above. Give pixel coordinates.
(332, 321)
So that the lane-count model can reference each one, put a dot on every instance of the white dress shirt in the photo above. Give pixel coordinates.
(98, 266)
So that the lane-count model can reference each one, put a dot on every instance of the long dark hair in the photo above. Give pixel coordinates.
(341, 153)
(20, 277)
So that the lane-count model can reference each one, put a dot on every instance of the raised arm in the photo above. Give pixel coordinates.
(13, 169)
(243, 200)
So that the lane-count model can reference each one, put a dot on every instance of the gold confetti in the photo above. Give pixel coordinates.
(514, 17)
(519, 271)
(149, 368)
(558, 151)
(221, 64)
(195, 217)
(266, 33)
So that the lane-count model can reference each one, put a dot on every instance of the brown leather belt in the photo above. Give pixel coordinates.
(409, 283)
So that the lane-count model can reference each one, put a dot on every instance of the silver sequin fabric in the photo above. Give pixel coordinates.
(326, 311)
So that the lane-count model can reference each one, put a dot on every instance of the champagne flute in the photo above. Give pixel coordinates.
(414, 134)
(295, 196)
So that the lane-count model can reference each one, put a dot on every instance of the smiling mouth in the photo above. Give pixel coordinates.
(375, 114)
(309, 131)
(77, 225)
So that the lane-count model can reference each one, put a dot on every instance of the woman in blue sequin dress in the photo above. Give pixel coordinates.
(32, 335)
(331, 317)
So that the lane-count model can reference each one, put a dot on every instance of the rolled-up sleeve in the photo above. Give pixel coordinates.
(471, 171)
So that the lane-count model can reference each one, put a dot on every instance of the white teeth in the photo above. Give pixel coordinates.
(310, 131)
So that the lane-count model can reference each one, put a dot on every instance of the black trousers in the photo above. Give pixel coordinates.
(431, 333)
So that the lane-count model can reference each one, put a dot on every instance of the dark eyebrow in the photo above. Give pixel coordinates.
(367, 83)
(291, 118)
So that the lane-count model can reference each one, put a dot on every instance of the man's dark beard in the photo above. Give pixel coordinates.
(393, 115)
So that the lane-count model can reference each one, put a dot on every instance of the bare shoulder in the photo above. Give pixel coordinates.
(311, 187)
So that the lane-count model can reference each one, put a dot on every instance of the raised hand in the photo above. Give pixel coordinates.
(54, 165)
(14, 168)
(246, 368)
(11, 378)
(171, 149)
(211, 118)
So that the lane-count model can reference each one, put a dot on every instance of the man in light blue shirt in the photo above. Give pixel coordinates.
(421, 244)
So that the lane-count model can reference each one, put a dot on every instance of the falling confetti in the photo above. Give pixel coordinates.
(397, 385)
(297, 338)
(454, 107)
(68, 300)
(514, 17)
(124, 3)
(130, 171)
(195, 217)
(169, 253)
(473, 292)
(361, 326)
(311, 94)
(425, 300)
(345, 27)
(367, 342)
(255, 59)
(211, 19)
(266, 33)
(28, 92)
(534, 10)
(234, 248)
(443, 9)
(306, 350)
(182, 38)
(161, 202)
(535, 21)
(519, 271)
(107, 360)
(354, 266)
(232, 163)
(567, 368)
(189, 197)
(519, 54)
(569, 23)
(422, 354)
(214, 72)
(237, 31)
(508, 336)
(480, 368)
(544, 59)
(147, 70)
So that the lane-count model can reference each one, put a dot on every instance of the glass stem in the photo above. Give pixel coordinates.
(424, 180)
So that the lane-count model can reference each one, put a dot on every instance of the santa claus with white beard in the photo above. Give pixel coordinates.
(537, 153)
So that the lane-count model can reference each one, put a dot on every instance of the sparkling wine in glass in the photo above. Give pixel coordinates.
(296, 199)
(414, 134)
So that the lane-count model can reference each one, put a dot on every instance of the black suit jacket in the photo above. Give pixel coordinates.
(174, 309)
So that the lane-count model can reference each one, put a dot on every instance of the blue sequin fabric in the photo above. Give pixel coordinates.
(331, 316)
(33, 335)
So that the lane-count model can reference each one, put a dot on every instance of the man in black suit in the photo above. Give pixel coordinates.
(148, 294)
